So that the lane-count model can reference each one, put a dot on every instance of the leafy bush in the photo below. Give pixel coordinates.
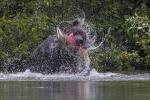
(24, 24)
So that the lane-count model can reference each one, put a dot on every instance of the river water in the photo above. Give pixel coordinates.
(96, 86)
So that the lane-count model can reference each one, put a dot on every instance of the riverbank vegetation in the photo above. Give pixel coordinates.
(24, 24)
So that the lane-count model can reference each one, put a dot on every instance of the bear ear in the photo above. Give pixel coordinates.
(59, 33)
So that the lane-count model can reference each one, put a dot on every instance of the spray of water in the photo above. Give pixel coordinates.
(91, 36)
(94, 76)
(84, 65)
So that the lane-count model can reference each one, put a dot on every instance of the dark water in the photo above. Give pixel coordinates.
(74, 90)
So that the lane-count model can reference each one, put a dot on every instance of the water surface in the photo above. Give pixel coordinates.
(74, 90)
(63, 86)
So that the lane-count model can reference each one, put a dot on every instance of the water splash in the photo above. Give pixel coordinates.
(91, 36)
(94, 76)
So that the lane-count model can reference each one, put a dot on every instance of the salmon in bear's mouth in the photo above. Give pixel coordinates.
(71, 39)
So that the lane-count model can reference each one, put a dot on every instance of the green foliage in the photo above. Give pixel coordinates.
(127, 47)
(24, 24)
(138, 32)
